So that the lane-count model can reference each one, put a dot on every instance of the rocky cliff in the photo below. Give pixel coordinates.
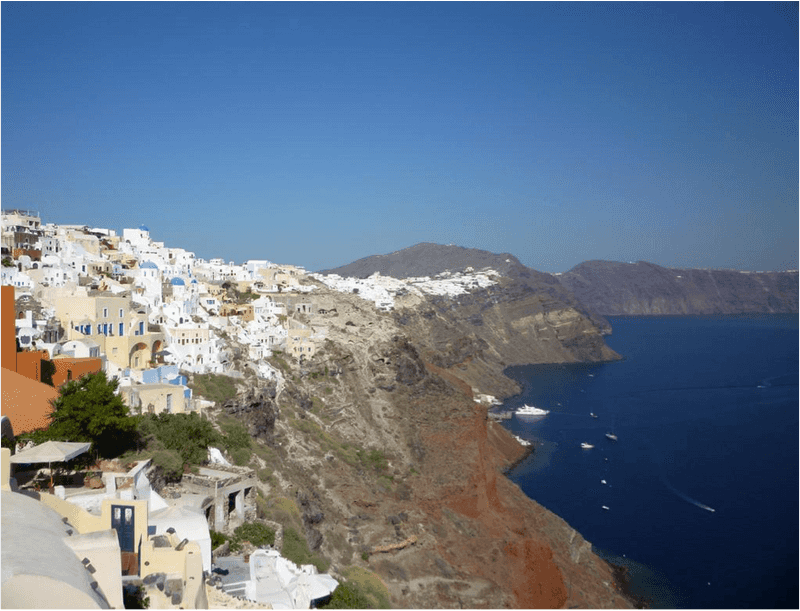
(381, 433)
(612, 288)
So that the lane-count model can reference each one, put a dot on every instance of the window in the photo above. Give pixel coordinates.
(121, 313)
(121, 328)
(105, 312)
(169, 403)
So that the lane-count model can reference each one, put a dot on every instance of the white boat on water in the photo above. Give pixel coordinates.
(586, 446)
(522, 442)
(611, 436)
(529, 410)
(605, 507)
(593, 415)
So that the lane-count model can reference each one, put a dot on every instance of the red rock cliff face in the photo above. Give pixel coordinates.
(488, 528)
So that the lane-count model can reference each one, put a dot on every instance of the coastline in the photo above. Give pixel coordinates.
(623, 579)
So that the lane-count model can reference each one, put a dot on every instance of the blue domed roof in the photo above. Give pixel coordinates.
(147, 265)
(194, 281)
(177, 282)
(143, 228)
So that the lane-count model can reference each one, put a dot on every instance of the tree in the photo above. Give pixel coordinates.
(48, 369)
(187, 434)
(89, 409)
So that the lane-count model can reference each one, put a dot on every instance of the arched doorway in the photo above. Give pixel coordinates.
(158, 346)
(139, 356)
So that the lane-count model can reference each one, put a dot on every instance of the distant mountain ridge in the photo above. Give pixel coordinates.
(426, 259)
(611, 288)
(603, 288)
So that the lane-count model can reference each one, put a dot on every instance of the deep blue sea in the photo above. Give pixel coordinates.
(705, 409)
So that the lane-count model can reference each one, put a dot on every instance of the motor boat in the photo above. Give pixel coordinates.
(611, 436)
(586, 446)
(529, 410)
(593, 415)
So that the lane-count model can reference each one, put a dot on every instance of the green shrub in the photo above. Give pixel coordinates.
(265, 475)
(217, 538)
(374, 459)
(370, 585)
(235, 435)
(171, 462)
(47, 372)
(256, 533)
(187, 434)
(241, 456)
(295, 548)
(213, 386)
(134, 597)
(347, 596)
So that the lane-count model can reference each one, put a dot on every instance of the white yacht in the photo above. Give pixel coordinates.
(586, 446)
(529, 410)
(611, 436)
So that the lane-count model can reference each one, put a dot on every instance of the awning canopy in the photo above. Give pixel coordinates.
(52, 451)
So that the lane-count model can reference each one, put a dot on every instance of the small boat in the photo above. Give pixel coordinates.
(522, 442)
(605, 507)
(529, 410)
(611, 436)
(602, 481)
(593, 415)
(586, 446)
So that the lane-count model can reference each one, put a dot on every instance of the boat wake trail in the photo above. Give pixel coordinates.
(670, 487)
(685, 497)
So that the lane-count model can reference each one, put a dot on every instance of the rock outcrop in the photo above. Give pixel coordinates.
(612, 288)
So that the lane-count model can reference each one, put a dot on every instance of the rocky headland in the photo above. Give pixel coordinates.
(611, 288)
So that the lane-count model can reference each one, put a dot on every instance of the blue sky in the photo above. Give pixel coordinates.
(316, 134)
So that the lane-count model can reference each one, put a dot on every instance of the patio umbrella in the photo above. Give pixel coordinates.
(50, 452)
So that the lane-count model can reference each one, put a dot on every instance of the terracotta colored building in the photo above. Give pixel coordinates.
(26, 400)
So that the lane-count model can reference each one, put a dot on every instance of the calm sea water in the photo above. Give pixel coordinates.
(706, 414)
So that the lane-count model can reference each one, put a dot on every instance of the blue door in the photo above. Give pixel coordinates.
(122, 521)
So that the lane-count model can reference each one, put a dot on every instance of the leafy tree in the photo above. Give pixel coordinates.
(187, 434)
(48, 369)
(89, 409)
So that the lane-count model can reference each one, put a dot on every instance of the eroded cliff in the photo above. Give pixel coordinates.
(381, 430)
(613, 288)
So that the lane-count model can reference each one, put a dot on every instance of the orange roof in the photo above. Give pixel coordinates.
(26, 402)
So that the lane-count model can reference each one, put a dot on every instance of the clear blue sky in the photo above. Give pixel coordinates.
(316, 134)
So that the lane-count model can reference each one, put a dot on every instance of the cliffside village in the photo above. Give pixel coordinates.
(88, 299)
